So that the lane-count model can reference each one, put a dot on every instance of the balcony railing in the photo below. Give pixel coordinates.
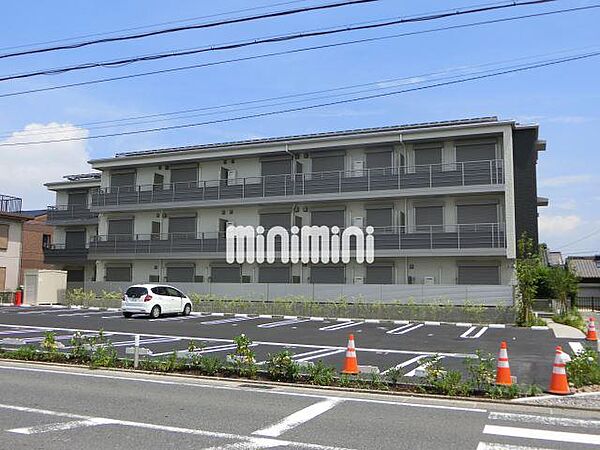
(427, 237)
(65, 253)
(10, 204)
(71, 213)
(335, 182)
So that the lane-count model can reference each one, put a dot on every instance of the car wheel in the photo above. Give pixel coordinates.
(187, 310)
(155, 312)
(127, 314)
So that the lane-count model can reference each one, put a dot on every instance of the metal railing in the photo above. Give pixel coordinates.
(65, 252)
(70, 213)
(470, 173)
(426, 237)
(10, 204)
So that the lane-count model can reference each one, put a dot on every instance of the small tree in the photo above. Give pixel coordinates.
(527, 270)
(564, 285)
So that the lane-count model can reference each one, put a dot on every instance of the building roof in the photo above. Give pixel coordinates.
(14, 217)
(555, 259)
(33, 213)
(489, 120)
(585, 266)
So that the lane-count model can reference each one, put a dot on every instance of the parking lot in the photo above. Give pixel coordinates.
(384, 344)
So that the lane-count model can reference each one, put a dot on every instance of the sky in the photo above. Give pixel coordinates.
(562, 99)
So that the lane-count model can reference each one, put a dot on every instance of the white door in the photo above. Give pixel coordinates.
(162, 299)
(175, 299)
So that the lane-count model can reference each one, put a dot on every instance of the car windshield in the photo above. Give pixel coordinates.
(136, 292)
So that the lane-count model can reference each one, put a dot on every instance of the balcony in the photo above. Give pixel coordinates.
(389, 241)
(71, 215)
(10, 204)
(61, 253)
(380, 182)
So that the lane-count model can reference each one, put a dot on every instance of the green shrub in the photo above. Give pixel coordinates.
(26, 352)
(320, 374)
(103, 355)
(444, 382)
(243, 359)
(481, 371)
(584, 369)
(393, 375)
(209, 365)
(78, 351)
(49, 343)
(571, 318)
(282, 367)
(504, 392)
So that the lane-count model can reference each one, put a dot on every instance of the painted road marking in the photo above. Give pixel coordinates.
(320, 355)
(212, 349)
(282, 323)
(228, 320)
(405, 363)
(545, 420)
(493, 446)
(466, 334)
(84, 313)
(298, 418)
(405, 329)
(61, 426)
(167, 428)
(418, 371)
(546, 435)
(576, 347)
(339, 326)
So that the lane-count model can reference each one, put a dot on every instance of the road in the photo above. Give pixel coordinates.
(382, 344)
(52, 407)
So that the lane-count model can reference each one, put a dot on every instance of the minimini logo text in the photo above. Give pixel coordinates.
(314, 244)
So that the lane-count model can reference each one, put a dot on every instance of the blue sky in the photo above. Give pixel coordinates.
(562, 99)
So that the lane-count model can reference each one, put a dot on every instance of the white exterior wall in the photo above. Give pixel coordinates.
(11, 257)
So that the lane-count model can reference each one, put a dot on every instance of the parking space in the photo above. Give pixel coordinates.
(385, 344)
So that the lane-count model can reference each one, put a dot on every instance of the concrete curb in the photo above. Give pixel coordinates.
(311, 318)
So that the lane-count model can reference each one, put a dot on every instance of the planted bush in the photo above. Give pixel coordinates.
(584, 368)
(320, 374)
(281, 367)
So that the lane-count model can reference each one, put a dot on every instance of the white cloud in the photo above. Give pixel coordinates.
(553, 225)
(569, 204)
(25, 168)
(564, 180)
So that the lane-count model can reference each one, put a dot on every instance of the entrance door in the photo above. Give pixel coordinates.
(2, 278)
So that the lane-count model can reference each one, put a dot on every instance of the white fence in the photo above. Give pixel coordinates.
(489, 295)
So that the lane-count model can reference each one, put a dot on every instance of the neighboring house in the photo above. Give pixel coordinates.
(37, 235)
(11, 232)
(448, 201)
(587, 268)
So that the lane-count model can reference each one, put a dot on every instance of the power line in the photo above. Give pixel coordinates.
(188, 27)
(583, 238)
(292, 51)
(340, 91)
(315, 106)
(274, 39)
(106, 33)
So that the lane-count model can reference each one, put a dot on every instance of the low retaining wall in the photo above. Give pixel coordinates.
(486, 295)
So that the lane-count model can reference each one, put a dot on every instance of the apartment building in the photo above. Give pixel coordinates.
(11, 232)
(447, 201)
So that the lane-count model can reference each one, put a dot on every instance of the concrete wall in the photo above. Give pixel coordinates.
(11, 257)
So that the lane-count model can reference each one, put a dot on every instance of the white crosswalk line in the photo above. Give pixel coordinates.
(405, 363)
(545, 435)
(494, 446)
(340, 326)
(282, 323)
(545, 420)
(405, 329)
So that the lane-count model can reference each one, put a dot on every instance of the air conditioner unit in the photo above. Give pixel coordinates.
(428, 280)
(198, 279)
(295, 279)
(358, 167)
(358, 222)
(246, 279)
(359, 280)
(231, 177)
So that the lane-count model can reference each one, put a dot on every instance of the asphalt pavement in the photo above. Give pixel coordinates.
(52, 407)
(383, 344)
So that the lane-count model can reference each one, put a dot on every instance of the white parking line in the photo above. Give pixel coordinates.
(339, 326)
(298, 418)
(466, 334)
(212, 349)
(319, 355)
(282, 323)
(405, 329)
(61, 426)
(228, 320)
(421, 368)
(405, 363)
(85, 313)
(576, 347)
(546, 435)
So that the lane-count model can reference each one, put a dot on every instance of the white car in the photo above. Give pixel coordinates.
(154, 300)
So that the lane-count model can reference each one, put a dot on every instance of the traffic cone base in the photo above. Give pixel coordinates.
(502, 367)
(351, 363)
(591, 334)
(559, 383)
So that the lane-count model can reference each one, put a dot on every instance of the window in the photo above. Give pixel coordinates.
(487, 213)
(327, 163)
(426, 216)
(75, 239)
(379, 159)
(122, 180)
(222, 274)
(173, 292)
(276, 167)
(4, 236)
(182, 227)
(182, 274)
(381, 274)
(428, 155)
(184, 175)
(118, 273)
(78, 199)
(270, 220)
(136, 292)
(159, 290)
(380, 217)
(473, 274)
(328, 218)
(120, 229)
(274, 274)
(46, 241)
(475, 151)
(327, 274)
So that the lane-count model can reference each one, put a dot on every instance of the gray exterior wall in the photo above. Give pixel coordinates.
(525, 181)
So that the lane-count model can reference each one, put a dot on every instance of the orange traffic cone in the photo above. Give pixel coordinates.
(591, 331)
(558, 382)
(502, 367)
(351, 363)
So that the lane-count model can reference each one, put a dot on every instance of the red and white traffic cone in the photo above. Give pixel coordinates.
(559, 383)
(351, 362)
(591, 331)
(502, 367)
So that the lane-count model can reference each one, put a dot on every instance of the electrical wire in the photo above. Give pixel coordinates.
(583, 238)
(292, 51)
(189, 27)
(315, 106)
(274, 39)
